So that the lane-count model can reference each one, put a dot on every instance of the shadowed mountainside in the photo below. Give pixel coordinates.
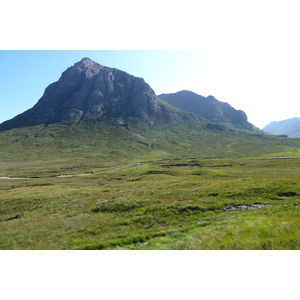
(209, 108)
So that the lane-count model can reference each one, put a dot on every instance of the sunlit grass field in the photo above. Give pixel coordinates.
(195, 189)
(242, 203)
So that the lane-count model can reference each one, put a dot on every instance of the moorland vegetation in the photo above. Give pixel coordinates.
(216, 192)
(147, 175)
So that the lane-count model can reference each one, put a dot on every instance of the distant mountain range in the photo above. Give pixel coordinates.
(289, 127)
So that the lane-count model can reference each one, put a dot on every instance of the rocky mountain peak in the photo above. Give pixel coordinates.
(86, 61)
(88, 66)
(91, 92)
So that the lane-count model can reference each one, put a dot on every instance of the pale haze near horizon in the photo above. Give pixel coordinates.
(264, 84)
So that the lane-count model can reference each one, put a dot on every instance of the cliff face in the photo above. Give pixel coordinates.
(91, 92)
(209, 108)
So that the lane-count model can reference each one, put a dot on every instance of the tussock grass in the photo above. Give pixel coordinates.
(160, 205)
(179, 198)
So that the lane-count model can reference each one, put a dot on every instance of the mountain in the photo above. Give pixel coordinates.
(289, 127)
(209, 108)
(91, 92)
(96, 114)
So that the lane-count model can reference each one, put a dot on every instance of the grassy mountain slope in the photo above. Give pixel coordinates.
(94, 146)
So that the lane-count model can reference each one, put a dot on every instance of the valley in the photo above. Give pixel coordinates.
(102, 163)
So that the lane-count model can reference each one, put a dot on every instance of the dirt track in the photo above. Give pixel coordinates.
(82, 174)
(14, 178)
(105, 171)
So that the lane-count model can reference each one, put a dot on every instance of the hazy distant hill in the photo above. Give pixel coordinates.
(289, 127)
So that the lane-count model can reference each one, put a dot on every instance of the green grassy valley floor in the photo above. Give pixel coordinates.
(246, 203)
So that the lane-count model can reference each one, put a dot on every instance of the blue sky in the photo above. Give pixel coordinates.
(25, 74)
(262, 83)
(245, 53)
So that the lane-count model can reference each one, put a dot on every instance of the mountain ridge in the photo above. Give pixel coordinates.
(209, 108)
